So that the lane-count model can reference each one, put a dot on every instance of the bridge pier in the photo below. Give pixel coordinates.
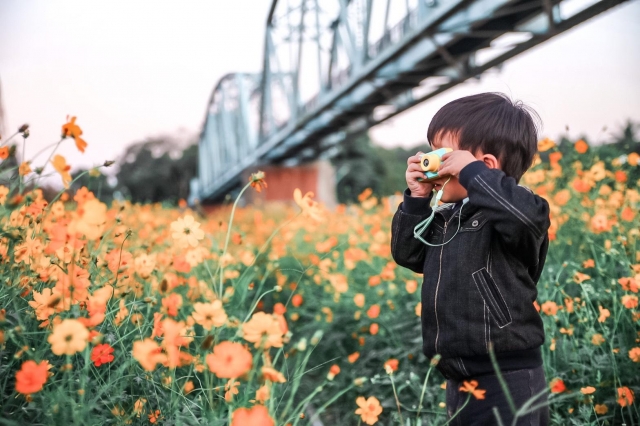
(318, 177)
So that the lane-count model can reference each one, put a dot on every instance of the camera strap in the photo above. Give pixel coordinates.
(422, 226)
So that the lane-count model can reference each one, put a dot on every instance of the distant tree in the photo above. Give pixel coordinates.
(156, 170)
(99, 185)
(358, 167)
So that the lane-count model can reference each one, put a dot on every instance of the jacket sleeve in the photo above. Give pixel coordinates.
(406, 250)
(520, 217)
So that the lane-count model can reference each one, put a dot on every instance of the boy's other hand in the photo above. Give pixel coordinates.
(454, 161)
(414, 172)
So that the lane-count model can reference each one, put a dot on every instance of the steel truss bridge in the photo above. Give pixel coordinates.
(334, 68)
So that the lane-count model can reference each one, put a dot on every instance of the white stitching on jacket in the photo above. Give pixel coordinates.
(492, 299)
(517, 213)
(505, 304)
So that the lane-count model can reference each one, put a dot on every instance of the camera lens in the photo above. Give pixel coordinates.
(425, 162)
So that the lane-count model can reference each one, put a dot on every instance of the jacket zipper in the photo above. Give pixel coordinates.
(435, 300)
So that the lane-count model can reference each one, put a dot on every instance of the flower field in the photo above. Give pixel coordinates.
(291, 314)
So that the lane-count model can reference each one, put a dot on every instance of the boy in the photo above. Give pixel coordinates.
(479, 287)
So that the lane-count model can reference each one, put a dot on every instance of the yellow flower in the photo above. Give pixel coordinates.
(597, 339)
(545, 144)
(369, 409)
(61, 166)
(209, 314)
(309, 207)
(24, 169)
(4, 191)
(68, 337)
(263, 325)
(185, 231)
(93, 221)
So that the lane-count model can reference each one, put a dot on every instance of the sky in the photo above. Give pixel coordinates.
(133, 69)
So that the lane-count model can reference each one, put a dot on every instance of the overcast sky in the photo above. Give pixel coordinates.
(132, 69)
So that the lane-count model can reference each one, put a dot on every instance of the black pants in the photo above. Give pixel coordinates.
(523, 385)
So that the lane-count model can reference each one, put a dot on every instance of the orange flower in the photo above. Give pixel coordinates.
(154, 416)
(258, 415)
(604, 314)
(620, 176)
(629, 284)
(589, 263)
(175, 337)
(392, 364)
(229, 360)
(597, 339)
(272, 374)
(172, 303)
(627, 214)
(358, 299)
(581, 146)
(471, 388)
(369, 409)
(148, 353)
(629, 301)
(353, 357)
(101, 354)
(61, 166)
(373, 311)
(557, 385)
(545, 144)
(262, 394)
(257, 180)
(265, 327)
(373, 328)
(68, 337)
(31, 377)
(333, 371)
(581, 185)
(4, 152)
(374, 280)
(625, 396)
(550, 308)
(231, 388)
(24, 169)
(634, 354)
(588, 390)
(601, 409)
(579, 277)
(296, 300)
(209, 314)
(72, 129)
(555, 157)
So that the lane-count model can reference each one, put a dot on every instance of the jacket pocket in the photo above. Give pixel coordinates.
(492, 297)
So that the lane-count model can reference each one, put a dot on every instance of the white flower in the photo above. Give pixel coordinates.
(622, 159)
(185, 231)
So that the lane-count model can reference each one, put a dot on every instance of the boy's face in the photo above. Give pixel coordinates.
(453, 191)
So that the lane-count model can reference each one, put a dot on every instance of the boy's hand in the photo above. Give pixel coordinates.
(414, 172)
(454, 161)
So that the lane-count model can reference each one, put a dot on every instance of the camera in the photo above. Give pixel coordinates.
(430, 162)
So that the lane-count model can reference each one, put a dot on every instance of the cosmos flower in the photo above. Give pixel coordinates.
(185, 231)
(68, 337)
(369, 409)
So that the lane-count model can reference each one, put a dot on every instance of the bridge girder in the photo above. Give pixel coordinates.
(296, 110)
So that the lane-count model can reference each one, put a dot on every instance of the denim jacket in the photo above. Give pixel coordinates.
(479, 287)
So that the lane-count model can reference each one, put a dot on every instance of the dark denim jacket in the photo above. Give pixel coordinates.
(479, 287)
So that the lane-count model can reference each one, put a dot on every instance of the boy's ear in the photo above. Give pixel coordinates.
(491, 161)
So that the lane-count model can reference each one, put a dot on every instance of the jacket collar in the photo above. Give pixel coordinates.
(447, 212)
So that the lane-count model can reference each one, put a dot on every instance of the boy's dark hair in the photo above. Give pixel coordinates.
(493, 123)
